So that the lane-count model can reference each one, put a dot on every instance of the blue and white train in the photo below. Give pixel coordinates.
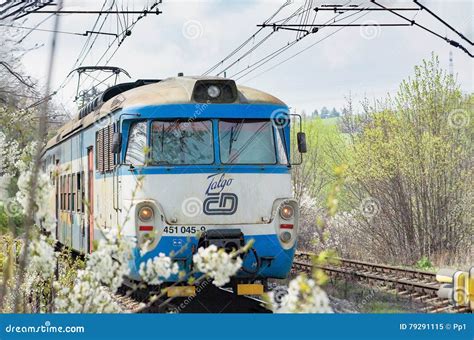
(180, 163)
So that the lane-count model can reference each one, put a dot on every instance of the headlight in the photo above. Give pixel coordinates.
(145, 213)
(286, 212)
(213, 91)
(285, 236)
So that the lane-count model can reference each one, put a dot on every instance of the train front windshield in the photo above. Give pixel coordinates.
(181, 142)
(246, 142)
(240, 141)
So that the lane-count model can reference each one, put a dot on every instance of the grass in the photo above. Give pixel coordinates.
(382, 307)
(368, 299)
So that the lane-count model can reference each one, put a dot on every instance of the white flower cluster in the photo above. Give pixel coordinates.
(105, 267)
(43, 190)
(9, 152)
(348, 234)
(304, 296)
(42, 258)
(217, 264)
(109, 263)
(87, 296)
(158, 268)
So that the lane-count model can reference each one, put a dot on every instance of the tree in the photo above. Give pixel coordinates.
(325, 112)
(315, 114)
(312, 180)
(334, 113)
(413, 161)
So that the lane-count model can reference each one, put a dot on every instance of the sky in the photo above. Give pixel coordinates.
(192, 36)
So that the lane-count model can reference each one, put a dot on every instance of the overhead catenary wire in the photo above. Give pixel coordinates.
(259, 44)
(281, 49)
(462, 36)
(41, 30)
(81, 53)
(120, 37)
(36, 26)
(414, 23)
(274, 54)
(53, 31)
(304, 23)
(89, 43)
(300, 52)
(252, 37)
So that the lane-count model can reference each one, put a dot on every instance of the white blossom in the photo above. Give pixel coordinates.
(109, 263)
(107, 267)
(304, 296)
(86, 296)
(158, 268)
(44, 188)
(42, 258)
(217, 264)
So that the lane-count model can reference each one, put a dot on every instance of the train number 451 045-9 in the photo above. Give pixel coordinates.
(184, 229)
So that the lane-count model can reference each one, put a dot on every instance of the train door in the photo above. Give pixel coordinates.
(90, 198)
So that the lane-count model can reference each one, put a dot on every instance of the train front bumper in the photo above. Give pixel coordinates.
(273, 260)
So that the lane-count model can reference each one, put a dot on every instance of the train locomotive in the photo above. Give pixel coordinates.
(181, 163)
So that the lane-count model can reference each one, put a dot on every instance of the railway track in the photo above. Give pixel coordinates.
(210, 299)
(419, 286)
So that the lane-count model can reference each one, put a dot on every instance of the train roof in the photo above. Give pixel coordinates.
(148, 92)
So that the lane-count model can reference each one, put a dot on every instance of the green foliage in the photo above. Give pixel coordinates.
(327, 150)
(382, 307)
(413, 156)
(69, 265)
(3, 221)
(7, 222)
(424, 263)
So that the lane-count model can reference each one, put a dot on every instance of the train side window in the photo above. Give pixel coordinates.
(73, 192)
(61, 181)
(79, 191)
(63, 193)
(99, 154)
(137, 141)
(83, 192)
(105, 158)
(68, 190)
(281, 149)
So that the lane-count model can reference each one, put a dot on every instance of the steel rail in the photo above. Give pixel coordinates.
(417, 284)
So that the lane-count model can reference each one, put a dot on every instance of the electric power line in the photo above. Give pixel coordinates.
(443, 21)
(298, 53)
(53, 31)
(231, 54)
(279, 51)
(449, 41)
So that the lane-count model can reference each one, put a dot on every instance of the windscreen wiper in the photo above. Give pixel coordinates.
(233, 138)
